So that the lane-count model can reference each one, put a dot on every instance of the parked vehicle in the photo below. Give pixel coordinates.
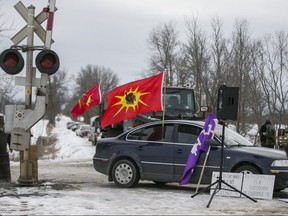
(159, 154)
(84, 133)
(76, 126)
(95, 132)
(282, 138)
(82, 130)
(70, 124)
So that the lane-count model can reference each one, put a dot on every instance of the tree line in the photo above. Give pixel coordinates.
(258, 66)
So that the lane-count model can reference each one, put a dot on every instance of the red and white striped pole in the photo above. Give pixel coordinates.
(50, 10)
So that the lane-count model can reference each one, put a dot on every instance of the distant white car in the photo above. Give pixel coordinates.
(76, 126)
(70, 124)
(83, 130)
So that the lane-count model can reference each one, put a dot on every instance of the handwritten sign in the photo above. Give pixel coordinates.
(233, 179)
(253, 185)
(259, 186)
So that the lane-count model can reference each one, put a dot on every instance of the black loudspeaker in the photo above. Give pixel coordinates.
(227, 103)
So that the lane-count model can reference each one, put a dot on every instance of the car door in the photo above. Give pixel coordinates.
(155, 150)
(186, 137)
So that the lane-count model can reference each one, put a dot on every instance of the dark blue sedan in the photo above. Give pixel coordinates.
(158, 152)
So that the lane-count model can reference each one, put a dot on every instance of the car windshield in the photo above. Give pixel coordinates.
(231, 137)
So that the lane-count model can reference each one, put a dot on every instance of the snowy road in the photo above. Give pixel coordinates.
(73, 187)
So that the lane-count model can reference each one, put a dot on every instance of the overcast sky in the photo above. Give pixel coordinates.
(113, 33)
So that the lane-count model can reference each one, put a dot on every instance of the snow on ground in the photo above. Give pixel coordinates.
(69, 145)
(68, 190)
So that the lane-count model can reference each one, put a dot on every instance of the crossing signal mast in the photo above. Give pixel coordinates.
(20, 118)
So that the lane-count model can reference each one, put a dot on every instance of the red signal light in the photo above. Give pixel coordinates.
(47, 61)
(11, 61)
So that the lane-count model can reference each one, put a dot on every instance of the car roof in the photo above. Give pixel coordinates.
(177, 121)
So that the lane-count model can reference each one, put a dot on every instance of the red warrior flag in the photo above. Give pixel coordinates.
(91, 98)
(131, 99)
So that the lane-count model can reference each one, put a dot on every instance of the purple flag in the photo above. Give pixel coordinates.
(206, 133)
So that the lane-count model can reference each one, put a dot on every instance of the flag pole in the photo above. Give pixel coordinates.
(204, 165)
(164, 102)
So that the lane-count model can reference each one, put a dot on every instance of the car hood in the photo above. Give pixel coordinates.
(262, 151)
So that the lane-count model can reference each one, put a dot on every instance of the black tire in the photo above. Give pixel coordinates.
(160, 183)
(248, 169)
(125, 174)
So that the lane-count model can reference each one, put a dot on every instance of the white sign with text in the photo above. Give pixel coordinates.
(253, 185)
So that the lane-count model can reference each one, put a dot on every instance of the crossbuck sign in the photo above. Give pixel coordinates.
(38, 29)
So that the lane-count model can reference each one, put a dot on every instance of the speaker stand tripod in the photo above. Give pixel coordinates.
(220, 181)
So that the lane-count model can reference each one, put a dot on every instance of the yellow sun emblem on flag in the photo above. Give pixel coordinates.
(85, 99)
(130, 99)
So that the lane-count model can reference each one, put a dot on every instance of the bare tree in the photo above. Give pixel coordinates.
(7, 92)
(3, 23)
(86, 79)
(274, 77)
(57, 92)
(164, 46)
(219, 64)
(240, 68)
(196, 55)
(255, 101)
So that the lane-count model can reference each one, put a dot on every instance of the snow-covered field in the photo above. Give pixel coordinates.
(69, 185)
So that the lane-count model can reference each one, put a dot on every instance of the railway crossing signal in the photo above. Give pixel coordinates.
(20, 118)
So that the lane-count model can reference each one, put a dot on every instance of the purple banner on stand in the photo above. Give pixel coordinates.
(207, 132)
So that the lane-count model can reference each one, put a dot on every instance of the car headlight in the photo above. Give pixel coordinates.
(280, 163)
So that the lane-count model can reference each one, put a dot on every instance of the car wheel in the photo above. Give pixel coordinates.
(125, 174)
(248, 169)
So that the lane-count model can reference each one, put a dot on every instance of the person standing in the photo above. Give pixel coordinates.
(3, 137)
(267, 135)
(4, 155)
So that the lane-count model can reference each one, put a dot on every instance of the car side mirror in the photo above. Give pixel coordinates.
(212, 143)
